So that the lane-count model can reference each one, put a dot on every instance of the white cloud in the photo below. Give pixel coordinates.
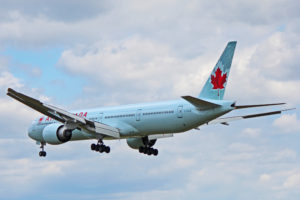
(288, 123)
(241, 147)
(23, 176)
(186, 26)
(177, 165)
(251, 132)
(140, 67)
(13, 112)
(151, 70)
(293, 181)
(276, 56)
(265, 178)
(284, 155)
(9, 80)
(266, 71)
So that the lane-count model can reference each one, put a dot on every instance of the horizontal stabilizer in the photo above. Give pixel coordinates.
(257, 105)
(225, 120)
(199, 102)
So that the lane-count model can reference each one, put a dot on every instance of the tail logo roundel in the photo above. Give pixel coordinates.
(218, 80)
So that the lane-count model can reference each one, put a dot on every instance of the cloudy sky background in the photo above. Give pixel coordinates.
(82, 54)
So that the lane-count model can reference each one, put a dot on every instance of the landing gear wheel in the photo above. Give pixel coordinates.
(141, 149)
(147, 145)
(100, 147)
(42, 153)
(97, 147)
(148, 150)
(155, 152)
(151, 151)
(107, 149)
(93, 147)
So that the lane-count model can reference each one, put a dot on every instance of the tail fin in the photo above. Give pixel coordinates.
(214, 87)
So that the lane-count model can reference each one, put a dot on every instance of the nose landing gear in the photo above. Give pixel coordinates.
(100, 147)
(42, 153)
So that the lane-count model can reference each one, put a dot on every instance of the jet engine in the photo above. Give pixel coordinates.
(56, 134)
(136, 143)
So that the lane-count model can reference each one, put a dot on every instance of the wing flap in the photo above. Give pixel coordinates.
(106, 130)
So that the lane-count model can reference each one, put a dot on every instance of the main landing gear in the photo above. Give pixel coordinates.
(148, 150)
(42, 153)
(100, 147)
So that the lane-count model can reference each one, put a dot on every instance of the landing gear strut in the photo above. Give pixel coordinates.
(42, 153)
(100, 147)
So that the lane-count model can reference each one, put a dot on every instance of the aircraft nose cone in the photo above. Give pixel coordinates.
(34, 134)
(30, 133)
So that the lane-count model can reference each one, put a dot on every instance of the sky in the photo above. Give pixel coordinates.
(85, 54)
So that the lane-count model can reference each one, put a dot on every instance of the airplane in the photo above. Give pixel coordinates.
(140, 124)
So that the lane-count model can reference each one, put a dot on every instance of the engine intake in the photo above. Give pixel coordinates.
(63, 134)
(56, 134)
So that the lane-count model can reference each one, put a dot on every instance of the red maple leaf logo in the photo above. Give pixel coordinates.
(218, 80)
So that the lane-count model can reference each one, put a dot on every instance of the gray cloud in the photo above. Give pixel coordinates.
(67, 11)
(187, 26)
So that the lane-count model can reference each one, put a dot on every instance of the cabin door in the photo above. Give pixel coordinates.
(138, 115)
(180, 111)
(99, 117)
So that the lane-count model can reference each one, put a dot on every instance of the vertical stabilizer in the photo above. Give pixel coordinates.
(214, 87)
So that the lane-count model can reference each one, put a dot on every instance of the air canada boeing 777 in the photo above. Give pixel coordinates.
(140, 124)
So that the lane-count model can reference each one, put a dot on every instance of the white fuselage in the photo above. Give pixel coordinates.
(141, 119)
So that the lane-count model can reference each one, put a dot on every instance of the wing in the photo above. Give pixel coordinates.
(225, 120)
(69, 119)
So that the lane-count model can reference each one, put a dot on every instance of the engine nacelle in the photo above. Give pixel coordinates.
(136, 143)
(56, 134)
